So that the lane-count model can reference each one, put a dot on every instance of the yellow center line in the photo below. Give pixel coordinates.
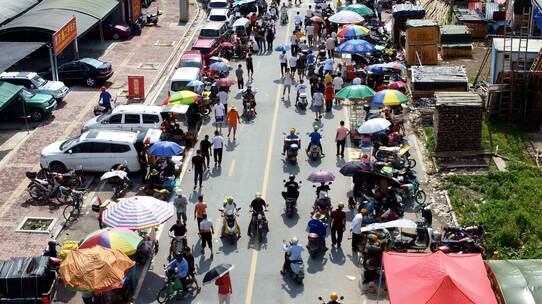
(254, 259)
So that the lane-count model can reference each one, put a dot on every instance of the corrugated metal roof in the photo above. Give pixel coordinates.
(15, 51)
(458, 99)
(11, 8)
(520, 281)
(95, 8)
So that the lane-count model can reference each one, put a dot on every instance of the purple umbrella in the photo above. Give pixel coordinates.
(321, 176)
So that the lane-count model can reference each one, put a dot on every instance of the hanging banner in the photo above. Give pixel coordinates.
(64, 36)
(136, 10)
(136, 87)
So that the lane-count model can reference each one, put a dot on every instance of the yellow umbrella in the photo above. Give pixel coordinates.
(182, 97)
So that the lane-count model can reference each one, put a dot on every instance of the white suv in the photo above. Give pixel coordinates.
(98, 150)
(134, 117)
(36, 84)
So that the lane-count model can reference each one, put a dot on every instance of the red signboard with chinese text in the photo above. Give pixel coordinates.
(64, 36)
(136, 87)
(136, 10)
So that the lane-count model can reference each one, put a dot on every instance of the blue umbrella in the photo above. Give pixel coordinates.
(355, 46)
(282, 48)
(377, 69)
(194, 83)
(219, 67)
(165, 149)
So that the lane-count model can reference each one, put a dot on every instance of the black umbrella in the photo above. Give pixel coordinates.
(217, 272)
(353, 167)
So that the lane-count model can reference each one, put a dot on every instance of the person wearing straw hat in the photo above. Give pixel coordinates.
(318, 227)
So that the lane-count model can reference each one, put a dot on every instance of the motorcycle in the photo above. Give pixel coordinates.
(399, 154)
(419, 241)
(178, 244)
(173, 288)
(410, 188)
(258, 225)
(230, 226)
(249, 108)
(99, 109)
(292, 146)
(152, 19)
(45, 189)
(457, 233)
(314, 246)
(315, 152)
(119, 180)
(302, 102)
(464, 245)
(296, 269)
(290, 202)
(322, 204)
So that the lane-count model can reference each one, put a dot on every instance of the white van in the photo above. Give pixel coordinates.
(213, 30)
(217, 4)
(98, 150)
(182, 77)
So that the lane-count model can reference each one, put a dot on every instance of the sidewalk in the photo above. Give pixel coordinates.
(144, 55)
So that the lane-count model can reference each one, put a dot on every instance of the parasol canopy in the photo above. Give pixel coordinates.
(346, 17)
(321, 176)
(137, 212)
(219, 67)
(95, 269)
(398, 85)
(362, 10)
(282, 48)
(351, 168)
(240, 22)
(115, 173)
(317, 19)
(182, 97)
(353, 31)
(165, 149)
(355, 46)
(124, 240)
(225, 82)
(374, 125)
(194, 83)
(356, 91)
(400, 223)
(217, 272)
(389, 98)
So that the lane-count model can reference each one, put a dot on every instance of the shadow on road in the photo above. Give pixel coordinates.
(316, 264)
(292, 288)
(290, 221)
(216, 171)
(288, 168)
(336, 256)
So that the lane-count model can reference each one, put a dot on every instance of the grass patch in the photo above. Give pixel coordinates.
(508, 203)
(431, 145)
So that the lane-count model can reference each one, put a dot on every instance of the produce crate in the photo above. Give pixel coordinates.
(422, 32)
(455, 34)
(456, 51)
(428, 54)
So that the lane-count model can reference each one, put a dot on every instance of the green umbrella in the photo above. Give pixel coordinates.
(357, 91)
(361, 9)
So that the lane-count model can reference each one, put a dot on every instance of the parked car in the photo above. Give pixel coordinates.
(215, 30)
(191, 59)
(182, 77)
(16, 101)
(220, 15)
(132, 117)
(36, 84)
(207, 47)
(89, 70)
(98, 150)
(217, 4)
(116, 31)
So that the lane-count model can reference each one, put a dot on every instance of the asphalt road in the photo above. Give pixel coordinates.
(253, 163)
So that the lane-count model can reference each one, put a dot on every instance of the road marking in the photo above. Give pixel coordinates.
(232, 167)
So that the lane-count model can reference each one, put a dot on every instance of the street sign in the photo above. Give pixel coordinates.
(64, 36)
(136, 10)
(136, 87)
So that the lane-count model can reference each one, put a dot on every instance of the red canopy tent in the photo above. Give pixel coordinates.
(437, 278)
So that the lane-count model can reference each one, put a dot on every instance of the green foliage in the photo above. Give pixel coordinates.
(509, 140)
(431, 145)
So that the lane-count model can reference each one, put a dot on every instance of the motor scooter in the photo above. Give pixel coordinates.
(419, 241)
(290, 202)
(302, 101)
(296, 269)
(315, 153)
(178, 243)
(314, 246)
(324, 302)
(292, 147)
(258, 225)
(230, 226)
(45, 189)
(152, 19)
(172, 288)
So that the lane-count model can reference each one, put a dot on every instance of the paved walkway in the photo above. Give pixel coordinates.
(145, 55)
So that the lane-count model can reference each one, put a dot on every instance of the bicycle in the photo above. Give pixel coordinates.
(72, 211)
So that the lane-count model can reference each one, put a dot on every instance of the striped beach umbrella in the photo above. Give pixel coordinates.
(353, 31)
(137, 212)
(362, 10)
(122, 239)
(389, 98)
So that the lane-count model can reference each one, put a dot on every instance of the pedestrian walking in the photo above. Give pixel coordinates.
(224, 289)
(205, 148)
(223, 97)
(218, 146)
(356, 233)
(329, 94)
(250, 66)
(293, 44)
(270, 36)
(316, 32)
(287, 83)
(317, 104)
(330, 46)
(337, 85)
(199, 210)
(292, 62)
(105, 99)
(180, 202)
(309, 30)
(340, 138)
(283, 59)
(219, 117)
(263, 48)
(301, 65)
(233, 119)
(198, 166)
(379, 10)
(239, 74)
(206, 232)
(338, 225)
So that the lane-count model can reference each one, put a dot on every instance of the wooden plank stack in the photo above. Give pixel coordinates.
(422, 40)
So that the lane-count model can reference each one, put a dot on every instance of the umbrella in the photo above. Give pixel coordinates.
(374, 125)
(194, 83)
(317, 19)
(353, 167)
(243, 2)
(122, 239)
(114, 173)
(356, 91)
(282, 48)
(240, 22)
(398, 85)
(95, 269)
(346, 17)
(226, 44)
(182, 97)
(376, 69)
(225, 82)
(401, 223)
(394, 66)
(218, 59)
(355, 46)
(137, 212)
(362, 10)
(219, 67)
(353, 31)
(165, 149)
(389, 98)
(321, 176)
(217, 272)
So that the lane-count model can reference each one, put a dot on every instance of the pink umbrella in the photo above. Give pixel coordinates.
(398, 85)
(225, 82)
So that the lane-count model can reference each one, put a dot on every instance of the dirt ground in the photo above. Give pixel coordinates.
(472, 65)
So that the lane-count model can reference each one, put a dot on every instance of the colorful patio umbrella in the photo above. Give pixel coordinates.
(389, 98)
(225, 82)
(165, 149)
(353, 31)
(321, 176)
(376, 69)
(95, 269)
(357, 91)
(362, 10)
(124, 240)
(355, 46)
(394, 66)
(182, 97)
(346, 17)
(219, 67)
(398, 85)
(317, 19)
(137, 212)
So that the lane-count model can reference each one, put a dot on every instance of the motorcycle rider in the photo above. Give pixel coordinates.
(301, 88)
(292, 188)
(291, 137)
(249, 99)
(316, 226)
(333, 299)
(180, 265)
(228, 205)
(315, 140)
(177, 230)
(292, 253)
(257, 206)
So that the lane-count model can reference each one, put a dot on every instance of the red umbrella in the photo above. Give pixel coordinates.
(226, 44)
(225, 82)
(397, 85)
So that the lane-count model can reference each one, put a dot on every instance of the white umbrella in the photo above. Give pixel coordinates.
(373, 125)
(115, 173)
(346, 17)
(240, 22)
(401, 223)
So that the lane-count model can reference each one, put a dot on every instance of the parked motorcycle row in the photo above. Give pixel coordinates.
(46, 185)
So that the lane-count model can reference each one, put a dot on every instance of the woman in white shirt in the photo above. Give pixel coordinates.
(287, 82)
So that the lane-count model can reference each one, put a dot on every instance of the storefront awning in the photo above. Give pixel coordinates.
(10, 8)
(12, 52)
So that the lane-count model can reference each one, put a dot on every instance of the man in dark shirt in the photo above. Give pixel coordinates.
(177, 230)
(191, 265)
(198, 165)
(338, 225)
(105, 99)
(205, 148)
(258, 206)
(292, 188)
